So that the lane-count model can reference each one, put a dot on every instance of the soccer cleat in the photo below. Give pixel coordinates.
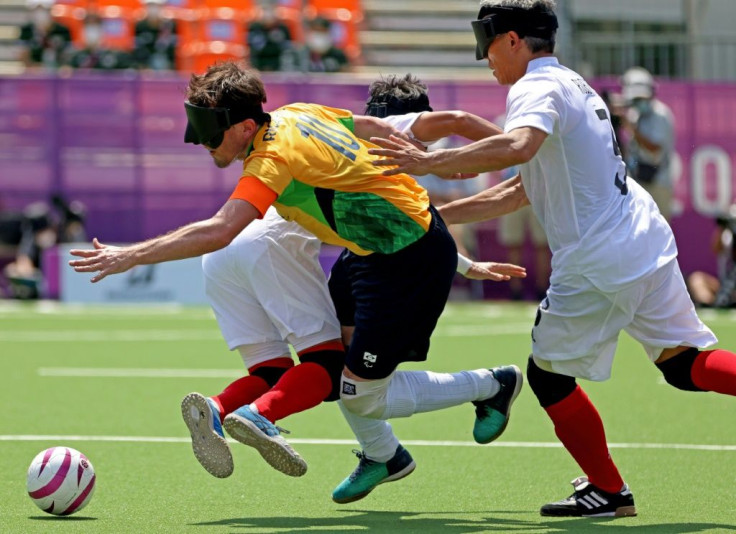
(370, 474)
(250, 428)
(210, 447)
(590, 501)
(492, 414)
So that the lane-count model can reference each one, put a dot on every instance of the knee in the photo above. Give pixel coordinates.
(271, 371)
(366, 399)
(331, 361)
(549, 388)
(677, 371)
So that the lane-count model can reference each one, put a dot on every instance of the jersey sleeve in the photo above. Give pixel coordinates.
(254, 191)
(532, 104)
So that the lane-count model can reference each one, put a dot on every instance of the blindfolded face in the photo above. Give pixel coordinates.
(206, 126)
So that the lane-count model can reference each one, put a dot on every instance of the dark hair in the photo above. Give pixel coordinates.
(396, 95)
(226, 84)
(407, 87)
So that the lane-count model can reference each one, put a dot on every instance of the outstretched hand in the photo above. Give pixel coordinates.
(396, 151)
(495, 272)
(409, 157)
(103, 259)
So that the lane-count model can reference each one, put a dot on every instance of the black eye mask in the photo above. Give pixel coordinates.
(382, 106)
(207, 126)
(493, 21)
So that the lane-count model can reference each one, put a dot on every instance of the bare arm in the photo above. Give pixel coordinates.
(434, 125)
(188, 241)
(506, 197)
(366, 127)
(489, 154)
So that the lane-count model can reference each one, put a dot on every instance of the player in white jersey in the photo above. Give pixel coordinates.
(269, 291)
(614, 261)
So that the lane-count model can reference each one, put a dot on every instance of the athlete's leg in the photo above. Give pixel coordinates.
(398, 299)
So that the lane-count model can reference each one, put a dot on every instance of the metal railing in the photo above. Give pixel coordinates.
(669, 56)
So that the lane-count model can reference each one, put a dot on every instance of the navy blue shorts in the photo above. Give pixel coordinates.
(394, 300)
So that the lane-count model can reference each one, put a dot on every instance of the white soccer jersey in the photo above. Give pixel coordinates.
(598, 223)
(403, 124)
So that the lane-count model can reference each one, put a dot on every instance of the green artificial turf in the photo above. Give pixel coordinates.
(148, 480)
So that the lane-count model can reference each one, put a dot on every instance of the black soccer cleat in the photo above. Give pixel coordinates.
(590, 501)
(492, 414)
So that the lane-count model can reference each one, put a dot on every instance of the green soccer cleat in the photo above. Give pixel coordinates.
(370, 474)
(492, 414)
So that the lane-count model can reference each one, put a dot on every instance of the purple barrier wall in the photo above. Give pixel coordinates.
(115, 143)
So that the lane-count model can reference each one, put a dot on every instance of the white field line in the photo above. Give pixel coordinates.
(41, 336)
(137, 372)
(412, 443)
(73, 336)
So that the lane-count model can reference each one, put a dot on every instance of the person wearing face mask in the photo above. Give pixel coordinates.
(93, 54)
(155, 39)
(649, 126)
(323, 55)
(271, 43)
(43, 40)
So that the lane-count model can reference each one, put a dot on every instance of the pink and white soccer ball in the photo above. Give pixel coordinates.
(61, 480)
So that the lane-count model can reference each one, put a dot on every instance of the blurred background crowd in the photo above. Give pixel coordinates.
(627, 49)
(190, 34)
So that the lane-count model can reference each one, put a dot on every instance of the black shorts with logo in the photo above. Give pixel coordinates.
(394, 300)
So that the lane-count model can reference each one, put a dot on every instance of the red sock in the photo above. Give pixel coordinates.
(243, 391)
(580, 430)
(715, 370)
(300, 388)
(247, 389)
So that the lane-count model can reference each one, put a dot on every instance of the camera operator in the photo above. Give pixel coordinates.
(650, 131)
(707, 290)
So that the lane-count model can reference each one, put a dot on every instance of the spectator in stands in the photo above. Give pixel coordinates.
(322, 54)
(93, 55)
(155, 39)
(650, 128)
(41, 229)
(719, 291)
(43, 40)
(270, 42)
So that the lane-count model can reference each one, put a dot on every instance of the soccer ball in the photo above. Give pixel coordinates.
(61, 480)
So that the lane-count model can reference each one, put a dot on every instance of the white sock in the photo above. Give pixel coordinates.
(411, 392)
(375, 436)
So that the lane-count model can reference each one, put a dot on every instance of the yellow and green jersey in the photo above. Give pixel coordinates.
(324, 180)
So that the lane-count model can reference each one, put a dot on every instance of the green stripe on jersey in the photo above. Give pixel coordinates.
(373, 223)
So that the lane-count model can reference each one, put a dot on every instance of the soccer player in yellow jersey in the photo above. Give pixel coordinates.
(307, 162)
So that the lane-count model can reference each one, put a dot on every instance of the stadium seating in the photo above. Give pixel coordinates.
(118, 26)
(197, 56)
(211, 29)
(346, 18)
(71, 14)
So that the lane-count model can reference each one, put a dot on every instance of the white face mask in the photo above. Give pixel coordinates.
(153, 10)
(92, 34)
(40, 18)
(319, 42)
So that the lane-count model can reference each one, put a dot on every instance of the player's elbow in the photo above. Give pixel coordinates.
(221, 234)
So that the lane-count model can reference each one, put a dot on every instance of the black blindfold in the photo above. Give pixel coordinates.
(496, 20)
(207, 126)
(384, 107)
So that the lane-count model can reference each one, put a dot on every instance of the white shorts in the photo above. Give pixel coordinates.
(268, 291)
(577, 326)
